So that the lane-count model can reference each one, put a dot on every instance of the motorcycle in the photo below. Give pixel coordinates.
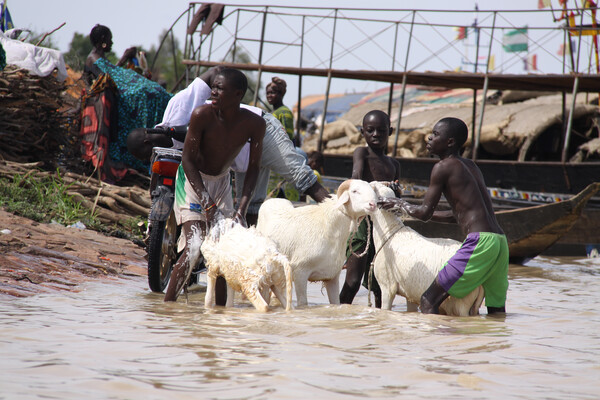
(163, 231)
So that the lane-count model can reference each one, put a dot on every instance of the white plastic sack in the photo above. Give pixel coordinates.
(39, 61)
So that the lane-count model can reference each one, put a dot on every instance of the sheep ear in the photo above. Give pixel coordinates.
(343, 199)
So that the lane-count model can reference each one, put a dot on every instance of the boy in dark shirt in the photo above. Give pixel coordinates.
(370, 163)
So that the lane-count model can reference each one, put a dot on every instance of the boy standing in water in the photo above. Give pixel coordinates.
(370, 163)
(216, 134)
(483, 256)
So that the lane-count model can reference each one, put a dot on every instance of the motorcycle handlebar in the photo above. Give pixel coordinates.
(176, 132)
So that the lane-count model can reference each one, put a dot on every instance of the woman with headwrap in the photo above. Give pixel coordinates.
(275, 91)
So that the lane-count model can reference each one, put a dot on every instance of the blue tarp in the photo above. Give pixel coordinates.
(336, 107)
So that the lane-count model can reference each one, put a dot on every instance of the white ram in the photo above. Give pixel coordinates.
(249, 262)
(314, 237)
(409, 262)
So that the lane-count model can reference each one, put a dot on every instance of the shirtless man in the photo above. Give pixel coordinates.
(216, 134)
(279, 154)
(483, 256)
(370, 163)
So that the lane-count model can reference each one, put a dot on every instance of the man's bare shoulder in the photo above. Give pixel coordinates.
(362, 151)
(393, 160)
(469, 163)
(250, 115)
(203, 110)
(252, 118)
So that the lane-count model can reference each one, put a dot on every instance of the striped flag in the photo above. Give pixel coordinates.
(530, 62)
(515, 40)
(461, 32)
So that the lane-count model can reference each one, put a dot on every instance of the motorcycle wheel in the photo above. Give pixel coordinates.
(162, 252)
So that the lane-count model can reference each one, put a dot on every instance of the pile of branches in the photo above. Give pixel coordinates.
(36, 121)
(111, 204)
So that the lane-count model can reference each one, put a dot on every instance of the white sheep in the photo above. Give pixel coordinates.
(249, 262)
(314, 237)
(409, 262)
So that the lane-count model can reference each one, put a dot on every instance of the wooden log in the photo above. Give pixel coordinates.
(103, 214)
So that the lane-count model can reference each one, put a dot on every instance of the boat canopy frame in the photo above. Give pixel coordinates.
(266, 20)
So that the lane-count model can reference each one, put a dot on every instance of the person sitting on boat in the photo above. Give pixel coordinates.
(278, 154)
(483, 256)
(140, 101)
(370, 163)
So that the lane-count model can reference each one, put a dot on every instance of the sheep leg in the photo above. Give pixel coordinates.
(257, 300)
(333, 289)
(265, 293)
(411, 307)
(209, 298)
(230, 296)
(387, 297)
(301, 283)
(280, 294)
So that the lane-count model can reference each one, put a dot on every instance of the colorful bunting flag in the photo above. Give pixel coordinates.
(461, 32)
(564, 49)
(515, 40)
(491, 63)
(544, 4)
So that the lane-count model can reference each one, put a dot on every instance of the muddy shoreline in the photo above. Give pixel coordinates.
(40, 258)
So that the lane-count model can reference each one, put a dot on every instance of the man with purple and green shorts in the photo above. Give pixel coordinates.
(483, 256)
(481, 260)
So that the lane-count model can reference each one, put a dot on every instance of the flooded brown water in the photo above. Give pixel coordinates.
(119, 341)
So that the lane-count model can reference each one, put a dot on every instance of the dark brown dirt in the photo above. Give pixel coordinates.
(39, 258)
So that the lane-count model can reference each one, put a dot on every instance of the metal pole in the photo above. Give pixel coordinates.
(260, 54)
(573, 100)
(393, 67)
(403, 91)
(475, 70)
(299, 116)
(173, 49)
(579, 41)
(210, 44)
(186, 49)
(563, 94)
(570, 123)
(237, 23)
(485, 89)
(328, 84)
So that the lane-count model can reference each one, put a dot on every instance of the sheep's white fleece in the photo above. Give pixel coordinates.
(409, 262)
(249, 262)
(314, 237)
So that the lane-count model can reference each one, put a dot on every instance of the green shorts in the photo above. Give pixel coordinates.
(481, 260)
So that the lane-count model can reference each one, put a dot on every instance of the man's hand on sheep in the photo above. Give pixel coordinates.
(394, 204)
(213, 217)
(394, 185)
(239, 218)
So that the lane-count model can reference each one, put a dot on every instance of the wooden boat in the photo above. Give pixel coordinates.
(530, 230)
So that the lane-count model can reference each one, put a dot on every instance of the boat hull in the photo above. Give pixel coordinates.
(554, 177)
(529, 231)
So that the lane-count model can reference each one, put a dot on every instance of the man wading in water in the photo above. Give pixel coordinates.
(216, 134)
(483, 256)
